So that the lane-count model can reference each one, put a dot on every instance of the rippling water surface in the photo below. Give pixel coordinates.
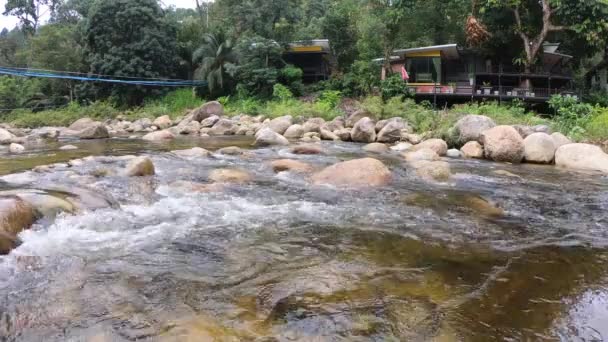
(501, 252)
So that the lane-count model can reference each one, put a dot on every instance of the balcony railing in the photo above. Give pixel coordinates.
(492, 91)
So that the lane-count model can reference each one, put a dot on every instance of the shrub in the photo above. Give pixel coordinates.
(596, 129)
(281, 93)
(393, 86)
(571, 116)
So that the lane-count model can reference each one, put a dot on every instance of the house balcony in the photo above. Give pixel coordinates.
(532, 94)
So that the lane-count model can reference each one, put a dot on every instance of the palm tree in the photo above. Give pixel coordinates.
(212, 57)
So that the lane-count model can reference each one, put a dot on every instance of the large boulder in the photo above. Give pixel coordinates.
(539, 148)
(503, 144)
(357, 173)
(280, 124)
(187, 127)
(582, 157)
(356, 116)
(163, 135)
(163, 122)
(95, 130)
(439, 146)
(15, 215)
(291, 165)
(470, 128)
(392, 130)
(560, 140)
(335, 124)
(472, 149)
(267, 137)
(139, 167)
(314, 125)
(223, 127)
(81, 124)
(6, 137)
(294, 132)
(207, 110)
(364, 131)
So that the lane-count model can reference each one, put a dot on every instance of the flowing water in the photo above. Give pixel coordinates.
(501, 252)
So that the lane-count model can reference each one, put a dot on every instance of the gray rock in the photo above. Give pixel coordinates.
(472, 149)
(503, 144)
(582, 157)
(96, 130)
(393, 130)
(357, 173)
(314, 125)
(356, 116)
(139, 167)
(206, 110)
(364, 131)
(163, 122)
(343, 134)
(376, 148)
(454, 153)
(401, 147)
(539, 148)
(195, 152)
(560, 140)
(267, 137)
(294, 132)
(6, 137)
(329, 135)
(16, 148)
(159, 136)
(439, 146)
(470, 128)
(81, 124)
(223, 127)
(280, 124)
(210, 121)
(68, 148)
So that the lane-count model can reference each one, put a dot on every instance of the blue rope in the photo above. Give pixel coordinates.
(28, 73)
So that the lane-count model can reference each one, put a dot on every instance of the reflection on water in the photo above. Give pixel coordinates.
(487, 256)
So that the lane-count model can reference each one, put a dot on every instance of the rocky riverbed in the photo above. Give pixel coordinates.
(251, 229)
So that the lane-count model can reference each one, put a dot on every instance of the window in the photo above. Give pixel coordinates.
(424, 69)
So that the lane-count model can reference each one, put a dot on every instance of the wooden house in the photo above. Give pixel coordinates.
(451, 72)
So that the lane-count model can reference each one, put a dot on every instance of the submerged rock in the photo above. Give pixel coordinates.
(307, 149)
(472, 149)
(364, 131)
(539, 148)
(454, 153)
(291, 165)
(420, 154)
(401, 147)
(432, 170)
(503, 144)
(159, 136)
(15, 215)
(376, 148)
(357, 173)
(16, 148)
(230, 151)
(267, 137)
(68, 147)
(230, 176)
(582, 157)
(189, 186)
(139, 167)
(195, 152)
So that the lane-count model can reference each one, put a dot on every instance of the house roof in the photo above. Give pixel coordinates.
(448, 50)
(310, 46)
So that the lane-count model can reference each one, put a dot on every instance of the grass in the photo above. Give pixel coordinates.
(173, 104)
(591, 127)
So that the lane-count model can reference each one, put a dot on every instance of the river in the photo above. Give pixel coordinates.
(500, 252)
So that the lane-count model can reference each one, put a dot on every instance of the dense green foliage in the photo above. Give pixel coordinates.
(237, 46)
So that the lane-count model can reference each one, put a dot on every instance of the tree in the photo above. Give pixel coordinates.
(56, 47)
(29, 12)
(536, 20)
(258, 66)
(129, 38)
(214, 56)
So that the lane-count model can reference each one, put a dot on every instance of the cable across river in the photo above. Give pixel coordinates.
(20, 72)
